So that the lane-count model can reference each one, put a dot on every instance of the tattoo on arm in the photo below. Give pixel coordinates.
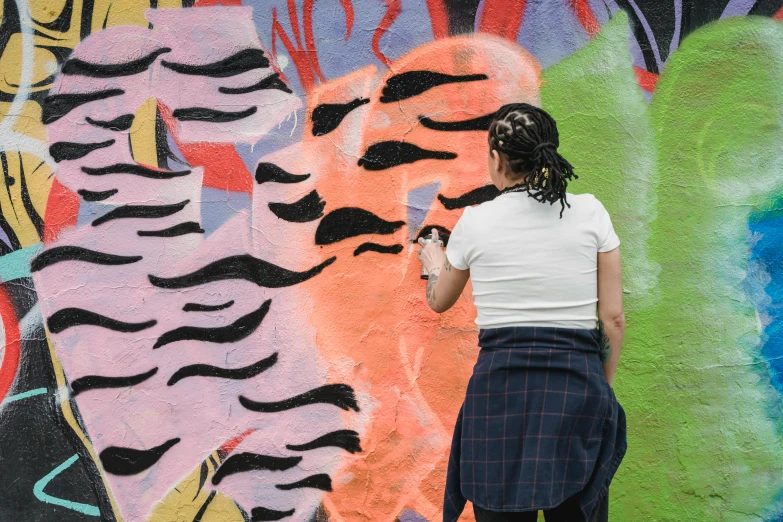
(431, 289)
(605, 351)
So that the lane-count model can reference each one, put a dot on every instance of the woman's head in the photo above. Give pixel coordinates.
(523, 143)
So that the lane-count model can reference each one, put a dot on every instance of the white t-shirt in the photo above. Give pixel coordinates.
(528, 267)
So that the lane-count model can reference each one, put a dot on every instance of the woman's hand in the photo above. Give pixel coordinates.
(431, 255)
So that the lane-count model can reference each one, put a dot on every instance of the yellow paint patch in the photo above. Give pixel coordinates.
(44, 65)
(142, 134)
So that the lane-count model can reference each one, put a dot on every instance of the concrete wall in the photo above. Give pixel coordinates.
(211, 305)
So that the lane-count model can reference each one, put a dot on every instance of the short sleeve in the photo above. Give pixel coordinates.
(607, 238)
(457, 249)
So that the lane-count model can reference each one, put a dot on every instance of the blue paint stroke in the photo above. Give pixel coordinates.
(16, 265)
(419, 202)
(24, 395)
(38, 491)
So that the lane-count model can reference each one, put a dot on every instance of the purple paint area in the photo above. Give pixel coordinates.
(675, 43)
(649, 32)
(218, 206)
(287, 132)
(737, 8)
(550, 31)
(419, 203)
(411, 516)
(4, 238)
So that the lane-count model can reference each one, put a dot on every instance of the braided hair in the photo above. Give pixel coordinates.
(527, 138)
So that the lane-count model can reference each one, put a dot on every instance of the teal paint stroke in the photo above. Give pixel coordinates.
(38, 491)
(17, 264)
(24, 395)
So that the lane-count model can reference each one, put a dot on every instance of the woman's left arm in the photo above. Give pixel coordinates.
(446, 282)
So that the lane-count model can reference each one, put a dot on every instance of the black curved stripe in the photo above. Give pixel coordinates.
(69, 317)
(244, 462)
(73, 253)
(347, 222)
(136, 170)
(474, 197)
(388, 154)
(243, 61)
(206, 370)
(211, 115)
(94, 382)
(203, 509)
(129, 461)
(340, 395)
(140, 212)
(321, 481)
(262, 514)
(189, 227)
(328, 116)
(272, 81)
(56, 106)
(120, 123)
(412, 83)
(246, 267)
(65, 150)
(196, 307)
(74, 66)
(236, 331)
(271, 173)
(309, 208)
(375, 247)
(89, 195)
(481, 123)
(345, 439)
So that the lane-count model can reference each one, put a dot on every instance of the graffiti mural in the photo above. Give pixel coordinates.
(210, 303)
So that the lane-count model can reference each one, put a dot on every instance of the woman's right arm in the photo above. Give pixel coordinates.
(610, 308)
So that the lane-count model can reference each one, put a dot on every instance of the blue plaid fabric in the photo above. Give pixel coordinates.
(539, 424)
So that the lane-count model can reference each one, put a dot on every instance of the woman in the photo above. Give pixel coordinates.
(540, 428)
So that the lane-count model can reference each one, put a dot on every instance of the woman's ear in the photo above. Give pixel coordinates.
(495, 161)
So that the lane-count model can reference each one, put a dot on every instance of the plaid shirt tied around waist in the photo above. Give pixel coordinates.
(539, 424)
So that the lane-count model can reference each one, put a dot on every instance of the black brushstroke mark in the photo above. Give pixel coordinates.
(211, 115)
(262, 514)
(89, 195)
(269, 172)
(88, 6)
(346, 222)
(387, 154)
(462, 16)
(27, 202)
(328, 116)
(162, 151)
(94, 382)
(61, 24)
(202, 478)
(236, 331)
(129, 461)
(206, 370)
(345, 439)
(481, 123)
(141, 212)
(136, 170)
(443, 233)
(9, 231)
(56, 106)
(474, 197)
(375, 247)
(340, 395)
(764, 7)
(412, 83)
(189, 227)
(74, 66)
(196, 307)
(309, 208)
(203, 509)
(321, 481)
(65, 150)
(106, 18)
(120, 123)
(244, 462)
(272, 81)
(69, 317)
(243, 61)
(246, 267)
(641, 36)
(74, 253)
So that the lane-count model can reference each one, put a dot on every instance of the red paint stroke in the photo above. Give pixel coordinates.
(10, 364)
(312, 52)
(439, 16)
(231, 445)
(393, 10)
(62, 210)
(211, 3)
(348, 8)
(502, 17)
(299, 58)
(778, 15)
(223, 167)
(581, 8)
(645, 78)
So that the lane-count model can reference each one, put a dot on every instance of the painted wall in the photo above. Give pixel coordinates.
(211, 306)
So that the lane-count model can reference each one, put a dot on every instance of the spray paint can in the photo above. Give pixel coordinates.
(427, 241)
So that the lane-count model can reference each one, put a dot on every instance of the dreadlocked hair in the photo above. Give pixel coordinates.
(527, 138)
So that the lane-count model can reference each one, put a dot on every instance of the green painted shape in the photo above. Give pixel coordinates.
(714, 418)
(16, 265)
